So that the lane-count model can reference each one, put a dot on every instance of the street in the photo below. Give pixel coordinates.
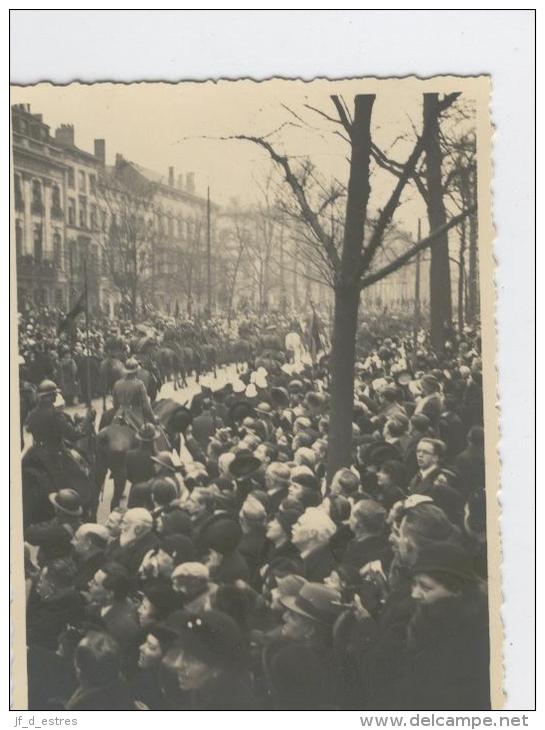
(184, 395)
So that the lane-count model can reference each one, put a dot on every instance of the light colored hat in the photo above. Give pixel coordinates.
(251, 391)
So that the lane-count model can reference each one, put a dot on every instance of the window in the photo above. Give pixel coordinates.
(93, 216)
(71, 212)
(19, 238)
(56, 210)
(59, 298)
(36, 206)
(170, 224)
(92, 184)
(104, 263)
(71, 179)
(38, 242)
(73, 257)
(18, 190)
(57, 249)
(82, 211)
(81, 181)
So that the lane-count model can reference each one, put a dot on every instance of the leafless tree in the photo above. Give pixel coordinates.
(127, 241)
(347, 260)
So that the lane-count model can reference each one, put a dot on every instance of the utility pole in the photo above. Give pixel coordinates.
(282, 276)
(417, 291)
(208, 254)
(88, 353)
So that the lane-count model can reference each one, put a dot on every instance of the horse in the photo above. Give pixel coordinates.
(209, 354)
(115, 440)
(270, 342)
(190, 361)
(111, 370)
(150, 382)
(45, 471)
(242, 351)
(169, 364)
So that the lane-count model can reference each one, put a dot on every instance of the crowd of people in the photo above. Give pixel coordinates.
(243, 576)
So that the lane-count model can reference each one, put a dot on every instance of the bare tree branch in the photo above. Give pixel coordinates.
(299, 192)
(427, 242)
(343, 115)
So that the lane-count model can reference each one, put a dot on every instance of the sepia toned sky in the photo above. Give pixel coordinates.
(160, 125)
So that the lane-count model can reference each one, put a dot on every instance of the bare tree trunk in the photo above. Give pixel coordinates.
(473, 274)
(461, 276)
(295, 288)
(440, 293)
(282, 275)
(347, 292)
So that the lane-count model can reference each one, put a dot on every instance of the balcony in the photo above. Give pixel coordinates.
(28, 265)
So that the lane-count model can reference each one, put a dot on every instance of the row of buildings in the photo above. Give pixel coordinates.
(65, 203)
(143, 240)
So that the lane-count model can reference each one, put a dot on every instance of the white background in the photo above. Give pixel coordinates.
(63, 46)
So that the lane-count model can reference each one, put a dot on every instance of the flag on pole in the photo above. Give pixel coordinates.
(66, 324)
(315, 338)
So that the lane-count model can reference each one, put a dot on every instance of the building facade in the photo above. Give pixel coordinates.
(39, 210)
(65, 203)
(55, 213)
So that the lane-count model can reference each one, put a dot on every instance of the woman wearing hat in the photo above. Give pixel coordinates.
(431, 402)
(447, 648)
(146, 681)
(278, 535)
(210, 660)
(308, 622)
(221, 537)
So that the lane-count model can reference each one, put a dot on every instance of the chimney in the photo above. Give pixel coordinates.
(171, 176)
(100, 150)
(119, 159)
(65, 134)
(190, 183)
(180, 182)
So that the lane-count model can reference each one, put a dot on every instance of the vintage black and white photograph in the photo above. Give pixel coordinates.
(256, 422)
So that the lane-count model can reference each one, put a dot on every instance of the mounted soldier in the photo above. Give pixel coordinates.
(52, 463)
(131, 402)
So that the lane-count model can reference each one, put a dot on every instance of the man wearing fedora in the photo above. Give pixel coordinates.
(54, 536)
(140, 464)
(131, 401)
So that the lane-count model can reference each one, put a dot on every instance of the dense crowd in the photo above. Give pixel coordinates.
(242, 578)
(71, 352)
